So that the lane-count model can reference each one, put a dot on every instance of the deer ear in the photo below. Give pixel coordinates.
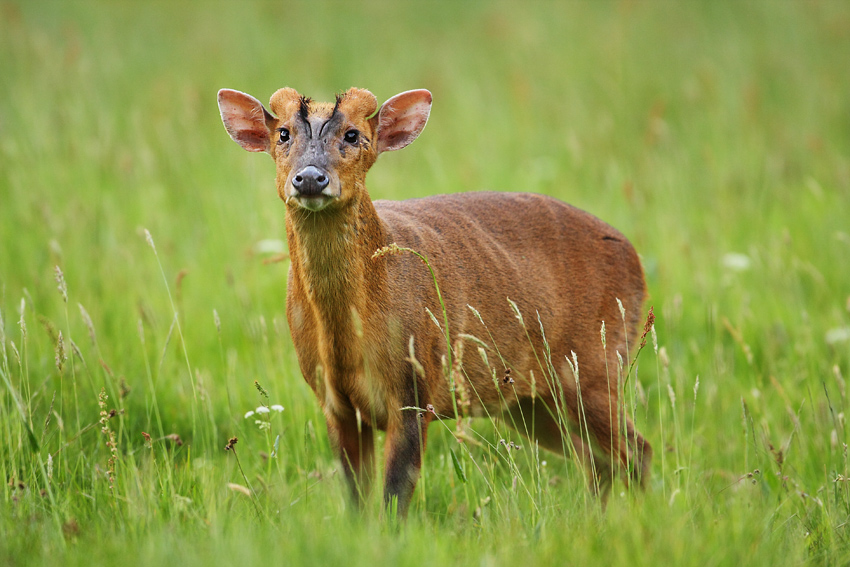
(402, 118)
(245, 119)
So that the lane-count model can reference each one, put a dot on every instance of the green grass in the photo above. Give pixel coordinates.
(700, 129)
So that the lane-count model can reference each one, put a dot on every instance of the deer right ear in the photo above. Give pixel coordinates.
(245, 119)
(402, 118)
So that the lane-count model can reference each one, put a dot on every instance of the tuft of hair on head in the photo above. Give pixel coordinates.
(337, 99)
(304, 108)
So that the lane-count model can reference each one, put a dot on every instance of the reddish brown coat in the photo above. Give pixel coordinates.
(352, 316)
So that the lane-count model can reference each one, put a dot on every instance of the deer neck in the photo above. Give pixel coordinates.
(331, 257)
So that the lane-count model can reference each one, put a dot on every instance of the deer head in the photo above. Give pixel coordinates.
(323, 150)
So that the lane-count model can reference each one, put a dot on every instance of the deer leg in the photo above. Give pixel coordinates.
(613, 438)
(550, 432)
(355, 446)
(405, 443)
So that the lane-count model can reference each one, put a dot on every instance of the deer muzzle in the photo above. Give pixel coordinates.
(310, 181)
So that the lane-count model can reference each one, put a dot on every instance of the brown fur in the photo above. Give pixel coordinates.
(352, 316)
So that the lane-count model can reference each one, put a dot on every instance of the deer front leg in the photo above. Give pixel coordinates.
(404, 446)
(355, 446)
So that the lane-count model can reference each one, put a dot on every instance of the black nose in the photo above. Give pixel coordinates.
(310, 180)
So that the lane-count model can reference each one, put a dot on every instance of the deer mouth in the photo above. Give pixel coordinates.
(313, 203)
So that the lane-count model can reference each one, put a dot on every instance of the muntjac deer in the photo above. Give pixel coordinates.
(366, 342)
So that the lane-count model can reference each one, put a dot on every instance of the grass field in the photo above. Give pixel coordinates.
(715, 135)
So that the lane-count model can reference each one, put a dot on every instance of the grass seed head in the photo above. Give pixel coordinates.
(16, 353)
(60, 355)
(21, 321)
(76, 350)
(49, 413)
(477, 314)
(464, 401)
(111, 442)
(662, 354)
(411, 358)
(483, 354)
(516, 312)
(261, 390)
(647, 327)
(61, 285)
(88, 323)
(149, 240)
(389, 250)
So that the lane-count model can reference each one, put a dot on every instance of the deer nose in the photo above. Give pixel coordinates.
(310, 181)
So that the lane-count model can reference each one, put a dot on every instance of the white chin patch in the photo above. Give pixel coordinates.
(313, 203)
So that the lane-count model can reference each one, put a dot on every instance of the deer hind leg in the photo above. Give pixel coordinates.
(594, 429)
(613, 438)
(555, 432)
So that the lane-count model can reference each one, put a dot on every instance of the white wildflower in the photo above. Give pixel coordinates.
(278, 408)
(736, 262)
(263, 409)
(249, 414)
(837, 335)
(270, 246)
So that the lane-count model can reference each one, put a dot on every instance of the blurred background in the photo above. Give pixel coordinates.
(715, 135)
(699, 129)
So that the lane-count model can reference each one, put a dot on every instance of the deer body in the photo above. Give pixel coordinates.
(365, 341)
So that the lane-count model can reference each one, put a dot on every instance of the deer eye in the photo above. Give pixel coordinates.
(284, 135)
(351, 136)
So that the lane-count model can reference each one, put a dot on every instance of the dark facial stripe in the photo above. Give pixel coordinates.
(304, 113)
(336, 116)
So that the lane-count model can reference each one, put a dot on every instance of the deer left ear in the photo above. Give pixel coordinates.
(402, 118)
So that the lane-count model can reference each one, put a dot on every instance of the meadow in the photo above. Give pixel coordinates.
(142, 287)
